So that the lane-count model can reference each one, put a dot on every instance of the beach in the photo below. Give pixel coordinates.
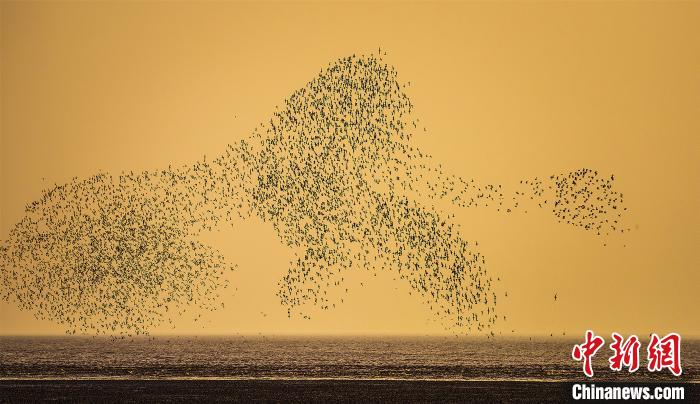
(294, 369)
(279, 390)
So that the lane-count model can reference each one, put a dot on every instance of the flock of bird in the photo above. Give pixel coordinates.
(333, 171)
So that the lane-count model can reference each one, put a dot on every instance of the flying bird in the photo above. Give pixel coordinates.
(334, 170)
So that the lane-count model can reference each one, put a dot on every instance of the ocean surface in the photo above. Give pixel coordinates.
(318, 358)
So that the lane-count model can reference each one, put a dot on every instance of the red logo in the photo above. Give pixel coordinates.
(662, 353)
(626, 353)
(665, 353)
(587, 350)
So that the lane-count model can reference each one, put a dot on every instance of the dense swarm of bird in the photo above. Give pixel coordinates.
(334, 172)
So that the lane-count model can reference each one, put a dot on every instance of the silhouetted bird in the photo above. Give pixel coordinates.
(334, 170)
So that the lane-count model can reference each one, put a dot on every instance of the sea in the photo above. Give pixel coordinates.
(279, 363)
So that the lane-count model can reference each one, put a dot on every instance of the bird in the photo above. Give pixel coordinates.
(337, 173)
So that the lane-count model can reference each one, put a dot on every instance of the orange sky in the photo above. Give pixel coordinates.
(506, 91)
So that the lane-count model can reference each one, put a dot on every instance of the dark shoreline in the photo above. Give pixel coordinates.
(275, 390)
(291, 391)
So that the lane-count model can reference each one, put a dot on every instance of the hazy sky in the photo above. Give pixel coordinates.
(507, 91)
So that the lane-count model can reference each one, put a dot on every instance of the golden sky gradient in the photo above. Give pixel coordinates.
(507, 91)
